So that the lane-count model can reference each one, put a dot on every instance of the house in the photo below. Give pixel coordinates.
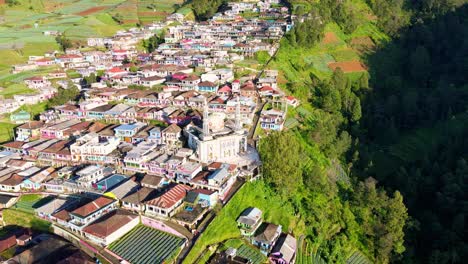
(152, 181)
(20, 117)
(136, 158)
(7, 242)
(151, 81)
(208, 87)
(284, 251)
(292, 101)
(224, 91)
(207, 198)
(57, 204)
(165, 204)
(171, 135)
(110, 227)
(7, 201)
(8, 105)
(35, 182)
(135, 201)
(92, 174)
(109, 182)
(93, 148)
(127, 131)
(218, 76)
(155, 135)
(266, 236)
(187, 171)
(249, 221)
(272, 119)
(248, 89)
(12, 184)
(84, 215)
(37, 82)
(29, 131)
(57, 129)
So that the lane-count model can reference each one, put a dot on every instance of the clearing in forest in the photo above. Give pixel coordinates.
(348, 66)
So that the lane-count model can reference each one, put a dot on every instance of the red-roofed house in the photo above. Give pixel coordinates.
(44, 62)
(91, 211)
(115, 71)
(111, 227)
(165, 204)
(37, 82)
(292, 101)
(224, 91)
(266, 91)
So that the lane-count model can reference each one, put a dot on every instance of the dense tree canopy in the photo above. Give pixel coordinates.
(414, 128)
(205, 9)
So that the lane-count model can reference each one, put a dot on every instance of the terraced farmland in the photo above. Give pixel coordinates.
(147, 245)
(250, 253)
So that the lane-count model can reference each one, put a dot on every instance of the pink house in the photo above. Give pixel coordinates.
(44, 62)
(224, 91)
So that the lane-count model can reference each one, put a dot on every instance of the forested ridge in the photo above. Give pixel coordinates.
(370, 147)
(415, 127)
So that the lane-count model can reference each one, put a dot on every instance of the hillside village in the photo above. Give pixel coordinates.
(157, 141)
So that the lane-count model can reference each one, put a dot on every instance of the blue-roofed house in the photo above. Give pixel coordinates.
(155, 135)
(127, 131)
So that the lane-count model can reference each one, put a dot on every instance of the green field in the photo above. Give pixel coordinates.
(16, 88)
(155, 247)
(28, 202)
(224, 226)
(20, 218)
(6, 131)
(21, 33)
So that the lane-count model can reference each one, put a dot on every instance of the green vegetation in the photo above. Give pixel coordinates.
(28, 202)
(144, 244)
(205, 9)
(20, 218)
(224, 226)
(417, 141)
(153, 42)
(16, 88)
(6, 131)
(64, 42)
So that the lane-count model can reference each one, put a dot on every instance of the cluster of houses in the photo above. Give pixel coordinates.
(268, 237)
(161, 134)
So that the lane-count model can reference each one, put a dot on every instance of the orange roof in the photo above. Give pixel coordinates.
(92, 207)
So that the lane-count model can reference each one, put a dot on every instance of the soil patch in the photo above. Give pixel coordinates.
(91, 10)
(151, 13)
(131, 21)
(329, 38)
(363, 44)
(348, 66)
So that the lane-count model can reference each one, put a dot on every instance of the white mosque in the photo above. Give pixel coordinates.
(216, 141)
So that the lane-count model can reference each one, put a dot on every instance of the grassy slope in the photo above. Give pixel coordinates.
(15, 217)
(224, 226)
